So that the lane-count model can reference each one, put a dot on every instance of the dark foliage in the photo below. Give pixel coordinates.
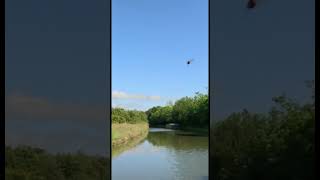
(27, 163)
(278, 145)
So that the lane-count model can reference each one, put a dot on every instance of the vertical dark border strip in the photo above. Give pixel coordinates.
(4, 80)
(110, 70)
(316, 98)
(209, 89)
(110, 161)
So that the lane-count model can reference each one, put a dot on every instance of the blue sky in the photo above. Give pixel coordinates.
(151, 42)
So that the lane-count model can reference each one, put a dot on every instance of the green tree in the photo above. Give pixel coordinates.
(277, 145)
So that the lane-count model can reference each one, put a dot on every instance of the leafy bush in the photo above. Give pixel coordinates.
(26, 163)
(187, 111)
(120, 115)
(277, 145)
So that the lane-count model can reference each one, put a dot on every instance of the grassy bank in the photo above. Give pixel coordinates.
(122, 133)
(117, 150)
(26, 162)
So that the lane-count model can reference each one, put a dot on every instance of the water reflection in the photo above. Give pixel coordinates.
(122, 148)
(163, 155)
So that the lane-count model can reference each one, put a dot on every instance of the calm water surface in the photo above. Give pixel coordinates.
(164, 154)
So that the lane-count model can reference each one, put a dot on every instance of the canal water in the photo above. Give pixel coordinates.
(163, 154)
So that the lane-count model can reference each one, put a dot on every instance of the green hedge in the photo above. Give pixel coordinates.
(279, 145)
(187, 111)
(27, 163)
(120, 115)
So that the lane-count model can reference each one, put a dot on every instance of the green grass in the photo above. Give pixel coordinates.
(114, 135)
(124, 132)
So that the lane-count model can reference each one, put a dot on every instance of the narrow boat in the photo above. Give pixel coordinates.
(172, 126)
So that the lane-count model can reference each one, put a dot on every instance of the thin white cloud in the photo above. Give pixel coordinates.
(124, 95)
(33, 108)
(128, 106)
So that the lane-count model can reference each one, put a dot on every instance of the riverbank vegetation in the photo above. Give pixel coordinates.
(120, 115)
(187, 112)
(277, 145)
(124, 132)
(23, 163)
(122, 147)
(128, 125)
(191, 113)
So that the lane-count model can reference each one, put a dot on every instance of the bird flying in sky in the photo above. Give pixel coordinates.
(251, 4)
(189, 61)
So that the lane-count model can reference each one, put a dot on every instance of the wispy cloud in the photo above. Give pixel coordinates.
(124, 95)
(32, 107)
(129, 105)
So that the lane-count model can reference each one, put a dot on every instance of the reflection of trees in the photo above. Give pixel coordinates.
(178, 142)
(188, 154)
(132, 143)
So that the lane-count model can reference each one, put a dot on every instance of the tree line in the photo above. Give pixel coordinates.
(187, 111)
(120, 115)
(276, 145)
(24, 162)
